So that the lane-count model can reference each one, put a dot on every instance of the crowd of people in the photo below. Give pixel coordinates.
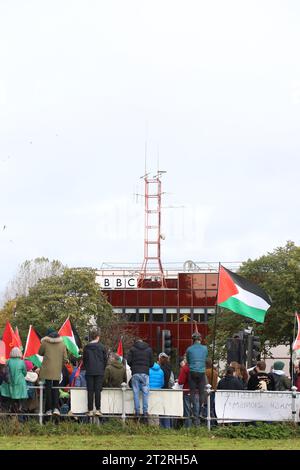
(96, 369)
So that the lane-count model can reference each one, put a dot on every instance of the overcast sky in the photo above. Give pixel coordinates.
(214, 85)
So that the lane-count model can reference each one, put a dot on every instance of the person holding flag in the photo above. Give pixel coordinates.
(54, 352)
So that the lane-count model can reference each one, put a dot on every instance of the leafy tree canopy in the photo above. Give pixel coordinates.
(74, 293)
(29, 273)
(278, 273)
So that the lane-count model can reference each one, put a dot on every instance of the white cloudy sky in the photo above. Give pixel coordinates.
(215, 85)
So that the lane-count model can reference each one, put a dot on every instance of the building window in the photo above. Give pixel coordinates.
(185, 315)
(157, 315)
(118, 310)
(211, 311)
(130, 314)
(144, 315)
(199, 315)
(171, 315)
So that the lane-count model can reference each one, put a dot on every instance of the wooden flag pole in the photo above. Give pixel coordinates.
(292, 350)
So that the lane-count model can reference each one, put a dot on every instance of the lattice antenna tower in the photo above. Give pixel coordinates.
(152, 265)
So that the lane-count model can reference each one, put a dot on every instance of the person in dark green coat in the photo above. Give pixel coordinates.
(115, 372)
(16, 388)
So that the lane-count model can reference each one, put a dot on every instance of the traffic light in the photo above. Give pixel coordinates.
(253, 353)
(235, 349)
(166, 346)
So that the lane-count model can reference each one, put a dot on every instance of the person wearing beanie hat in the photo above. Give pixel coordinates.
(278, 365)
(281, 381)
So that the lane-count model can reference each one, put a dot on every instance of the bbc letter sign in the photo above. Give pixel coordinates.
(114, 282)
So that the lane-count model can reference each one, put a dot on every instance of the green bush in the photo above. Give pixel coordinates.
(258, 431)
(67, 427)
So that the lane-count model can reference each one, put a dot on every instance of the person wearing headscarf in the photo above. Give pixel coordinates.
(16, 388)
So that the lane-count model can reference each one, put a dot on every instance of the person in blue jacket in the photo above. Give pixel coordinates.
(196, 356)
(156, 376)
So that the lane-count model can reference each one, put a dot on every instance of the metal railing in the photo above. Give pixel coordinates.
(211, 417)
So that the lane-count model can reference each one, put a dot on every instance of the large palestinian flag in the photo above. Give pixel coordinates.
(67, 334)
(241, 296)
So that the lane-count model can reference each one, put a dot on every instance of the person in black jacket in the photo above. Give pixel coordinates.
(261, 380)
(140, 359)
(229, 382)
(94, 361)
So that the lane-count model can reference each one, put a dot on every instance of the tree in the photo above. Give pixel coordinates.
(29, 273)
(278, 273)
(74, 293)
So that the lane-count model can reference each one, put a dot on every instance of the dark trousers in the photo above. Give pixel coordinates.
(94, 387)
(197, 381)
(52, 394)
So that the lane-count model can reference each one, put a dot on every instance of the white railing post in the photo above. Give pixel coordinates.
(41, 387)
(208, 391)
(124, 388)
(294, 395)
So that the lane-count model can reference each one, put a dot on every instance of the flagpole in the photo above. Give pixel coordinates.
(215, 329)
(27, 339)
(294, 339)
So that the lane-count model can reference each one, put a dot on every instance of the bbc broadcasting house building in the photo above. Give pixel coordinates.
(188, 297)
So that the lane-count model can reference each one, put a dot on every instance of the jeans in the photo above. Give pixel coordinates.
(165, 423)
(140, 382)
(187, 410)
(197, 388)
(52, 395)
(94, 387)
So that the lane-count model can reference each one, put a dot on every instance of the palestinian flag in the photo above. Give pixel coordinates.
(67, 334)
(120, 349)
(32, 347)
(296, 344)
(17, 335)
(9, 338)
(241, 296)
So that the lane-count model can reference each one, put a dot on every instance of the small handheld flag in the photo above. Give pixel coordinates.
(66, 332)
(120, 349)
(32, 347)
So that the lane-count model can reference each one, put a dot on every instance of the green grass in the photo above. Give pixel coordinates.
(112, 435)
(133, 442)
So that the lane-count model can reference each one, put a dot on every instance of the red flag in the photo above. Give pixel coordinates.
(120, 348)
(2, 352)
(9, 339)
(296, 344)
(33, 343)
(18, 338)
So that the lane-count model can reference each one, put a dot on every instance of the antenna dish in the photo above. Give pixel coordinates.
(190, 266)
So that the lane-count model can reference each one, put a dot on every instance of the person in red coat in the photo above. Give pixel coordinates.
(183, 379)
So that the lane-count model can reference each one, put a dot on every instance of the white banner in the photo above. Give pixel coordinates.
(161, 402)
(231, 405)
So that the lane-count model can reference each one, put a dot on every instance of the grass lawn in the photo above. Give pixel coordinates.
(151, 442)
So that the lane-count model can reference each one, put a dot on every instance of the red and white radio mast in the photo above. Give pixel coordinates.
(152, 267)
